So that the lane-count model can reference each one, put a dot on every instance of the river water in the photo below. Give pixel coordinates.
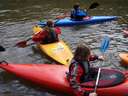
(17, 17)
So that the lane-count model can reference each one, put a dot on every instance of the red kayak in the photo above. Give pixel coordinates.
(112, 82)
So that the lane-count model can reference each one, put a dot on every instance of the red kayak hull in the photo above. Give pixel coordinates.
(54, 77)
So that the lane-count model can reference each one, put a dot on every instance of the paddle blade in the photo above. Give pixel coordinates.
(105, 44)
(2, 48)
(22, 44)
(94, 5)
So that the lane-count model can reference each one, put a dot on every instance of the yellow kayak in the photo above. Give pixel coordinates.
(58, 51)
(124, 58)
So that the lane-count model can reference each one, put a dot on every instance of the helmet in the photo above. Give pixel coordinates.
(49, 23)
(77, 5)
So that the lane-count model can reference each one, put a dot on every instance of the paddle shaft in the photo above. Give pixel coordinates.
(97, 79)
(30, 38)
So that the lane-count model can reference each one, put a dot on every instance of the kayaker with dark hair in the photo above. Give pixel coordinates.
(80, 71)
(77, 13)
(49, 34)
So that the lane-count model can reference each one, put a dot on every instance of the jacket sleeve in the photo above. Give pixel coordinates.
(58, 30)
(74, 81)
(38, 37)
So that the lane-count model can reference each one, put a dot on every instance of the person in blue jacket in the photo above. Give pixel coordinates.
(77, 13)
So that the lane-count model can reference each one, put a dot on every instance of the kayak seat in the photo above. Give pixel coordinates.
(108, 78)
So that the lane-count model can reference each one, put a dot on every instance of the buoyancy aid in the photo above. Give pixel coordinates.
(51, 36)
(84, 66)
(79, 72)
(78, 14)
(47, 35)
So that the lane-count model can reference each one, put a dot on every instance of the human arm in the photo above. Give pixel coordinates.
(84, 11)
(95, 57)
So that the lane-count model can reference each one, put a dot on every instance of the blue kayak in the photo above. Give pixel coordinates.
(86, 21)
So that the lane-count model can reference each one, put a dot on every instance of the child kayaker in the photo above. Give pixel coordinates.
(49, 34)
(80, 71)
(77, 13)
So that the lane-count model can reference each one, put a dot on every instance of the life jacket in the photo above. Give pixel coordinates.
(38, 37)
(78, 14)
(51, 36)
(85, 67)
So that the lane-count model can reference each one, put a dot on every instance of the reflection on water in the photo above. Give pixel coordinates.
(17, 17)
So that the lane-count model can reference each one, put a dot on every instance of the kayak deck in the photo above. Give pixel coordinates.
(58, 51)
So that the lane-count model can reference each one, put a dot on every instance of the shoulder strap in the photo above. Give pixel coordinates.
(72, 62)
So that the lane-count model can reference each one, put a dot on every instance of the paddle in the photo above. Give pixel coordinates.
(104, 44)
(92, 6)
(97, 79)
(103, 48)
(2, 48)
(23, 43)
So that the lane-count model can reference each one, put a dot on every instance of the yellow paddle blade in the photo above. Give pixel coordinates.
(37, 29)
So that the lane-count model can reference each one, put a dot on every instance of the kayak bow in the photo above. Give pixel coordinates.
(112, 82)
